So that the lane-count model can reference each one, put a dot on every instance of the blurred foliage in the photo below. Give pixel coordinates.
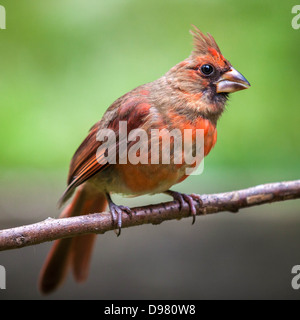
(64, 62)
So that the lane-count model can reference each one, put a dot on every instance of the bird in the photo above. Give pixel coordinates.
(191, 95)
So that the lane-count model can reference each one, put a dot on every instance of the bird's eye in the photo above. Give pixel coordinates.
(207, 69)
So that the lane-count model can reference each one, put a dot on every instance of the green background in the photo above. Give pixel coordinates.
(63, 62)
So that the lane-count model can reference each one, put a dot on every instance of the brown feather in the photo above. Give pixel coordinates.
(202, 43)
(72, 252)
(86, 160)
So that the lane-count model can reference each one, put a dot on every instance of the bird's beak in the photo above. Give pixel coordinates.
(232, 81)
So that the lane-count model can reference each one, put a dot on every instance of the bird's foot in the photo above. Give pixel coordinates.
(186, 198)
(116, 213)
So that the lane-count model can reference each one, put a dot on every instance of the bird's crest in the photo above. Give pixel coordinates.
(204, 44)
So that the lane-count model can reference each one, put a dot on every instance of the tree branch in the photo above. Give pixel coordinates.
(52, 229)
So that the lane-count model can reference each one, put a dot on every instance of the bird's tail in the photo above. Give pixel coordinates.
(72, 252)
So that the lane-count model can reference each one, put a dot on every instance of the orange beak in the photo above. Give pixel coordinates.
(232, 81)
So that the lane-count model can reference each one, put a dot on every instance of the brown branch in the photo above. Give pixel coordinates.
(52, 229)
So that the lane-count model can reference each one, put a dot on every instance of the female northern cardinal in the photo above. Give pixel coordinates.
(191, 95)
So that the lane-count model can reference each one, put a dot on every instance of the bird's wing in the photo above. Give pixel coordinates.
(89, 158)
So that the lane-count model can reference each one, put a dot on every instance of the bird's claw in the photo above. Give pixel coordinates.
(186, 198)
(116, 213)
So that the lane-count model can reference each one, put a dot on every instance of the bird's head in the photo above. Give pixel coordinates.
(206, 76)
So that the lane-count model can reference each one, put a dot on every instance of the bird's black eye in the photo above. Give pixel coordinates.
(207, 69)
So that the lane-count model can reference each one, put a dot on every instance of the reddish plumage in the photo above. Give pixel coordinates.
(191, 95)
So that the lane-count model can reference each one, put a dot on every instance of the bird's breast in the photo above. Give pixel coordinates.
(148, 177)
